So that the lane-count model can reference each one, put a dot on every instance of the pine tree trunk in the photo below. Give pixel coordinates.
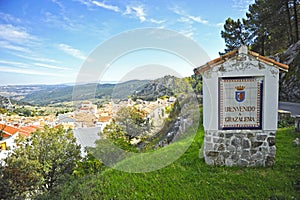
(290, 35)
(296, 20)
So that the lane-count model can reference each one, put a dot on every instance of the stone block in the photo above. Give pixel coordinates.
(231, 148)
(208, 146)
(209, 161)
(270, 161)
(271, 141)
(235, 157)
(272, 133)
(229, 135)
(273, 150)
(225, 154)
(236, 142)
(261, 137)
(220, 161)
(256, 144)
(257, 156)
(250, 135)
(227, 142)
(207, 138)
(240, 148)
(245, 143)
(221, 147)
(229, 162)
(243, 163)
(212, 153)
(259, 163)
(245, 155)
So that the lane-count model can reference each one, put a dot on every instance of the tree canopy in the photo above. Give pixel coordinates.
(270, 27)
(39, 163)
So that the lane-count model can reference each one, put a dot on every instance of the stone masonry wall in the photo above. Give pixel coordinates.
(240, 148)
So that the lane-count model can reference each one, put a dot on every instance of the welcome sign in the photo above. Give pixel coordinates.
(240, 102)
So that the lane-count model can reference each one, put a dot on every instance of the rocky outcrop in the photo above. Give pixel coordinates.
(290, 82)
(165, 86)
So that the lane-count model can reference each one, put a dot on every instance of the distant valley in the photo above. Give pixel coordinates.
(51, 94)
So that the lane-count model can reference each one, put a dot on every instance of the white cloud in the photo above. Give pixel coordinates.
(36, 58)
(105, 6)
(14, 34)
(198, 19)
(13, 63)
(26, 71)
(72, 51)
(7, 45)
(157, 21)
(9, 18)
(50, 66)
(186, 18)
(188, 31)
(60, 21)
(137, 11)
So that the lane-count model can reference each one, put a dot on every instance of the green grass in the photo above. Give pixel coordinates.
(190, 178)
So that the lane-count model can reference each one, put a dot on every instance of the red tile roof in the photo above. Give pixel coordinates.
(27, 130)
(23, 130)
(227, 56)
(8, 130)
(104, 119)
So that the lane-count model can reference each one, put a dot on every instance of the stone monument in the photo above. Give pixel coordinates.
(240, 104)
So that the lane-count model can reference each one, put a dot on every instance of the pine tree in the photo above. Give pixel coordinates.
(235, 34)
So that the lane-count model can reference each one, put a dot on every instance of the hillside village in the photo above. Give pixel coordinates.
(83, 120)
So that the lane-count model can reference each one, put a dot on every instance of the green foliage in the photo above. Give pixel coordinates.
(235, 34)
(3, 111)
(39, 164)
(196, 82)
(190, 178)
(270, 27)
(116, 134)
(133, 121)
(89, 165)
(289, 122)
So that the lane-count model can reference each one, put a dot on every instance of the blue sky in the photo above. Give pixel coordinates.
(47, 41)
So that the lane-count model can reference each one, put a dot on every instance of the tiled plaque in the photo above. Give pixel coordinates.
(240, 102)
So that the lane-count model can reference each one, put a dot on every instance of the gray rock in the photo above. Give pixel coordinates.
(271, 141)
(256, 144)
(220, 161)
(225, 154)
(273, 151)
(208, 146)
(270, 161)
(245, 144)
(212, 153)
(229, 135)
(245, 155)
(221, 147)
(235, 142)
(207, 138)
(243, 163)
(261, 137)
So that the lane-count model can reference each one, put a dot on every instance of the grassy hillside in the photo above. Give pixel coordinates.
(190, 178)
